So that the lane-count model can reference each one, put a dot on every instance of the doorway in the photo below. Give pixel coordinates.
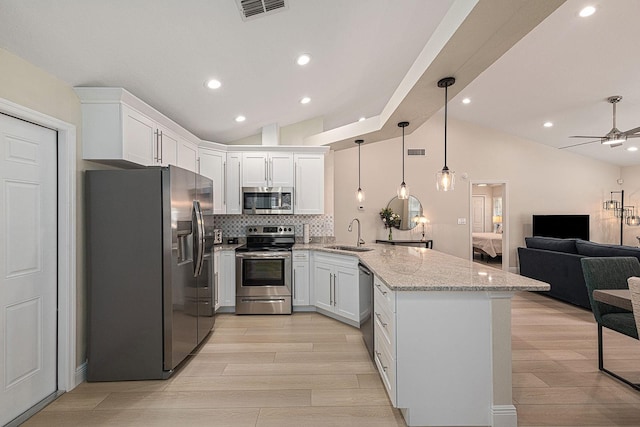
(66, 373)
(488, 231)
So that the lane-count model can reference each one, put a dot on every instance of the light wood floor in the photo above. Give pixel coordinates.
(309, 370)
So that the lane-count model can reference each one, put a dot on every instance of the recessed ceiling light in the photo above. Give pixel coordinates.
(305, 100)
(587, 11)
(213, 84)
(466, 101)
(303, 59)
(632, 149)
(548, 124)
(362, 119)
(482, 185)
(240, 119)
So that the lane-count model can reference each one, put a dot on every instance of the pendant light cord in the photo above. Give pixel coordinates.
(445, 124)
(359, 166)
(403, 154)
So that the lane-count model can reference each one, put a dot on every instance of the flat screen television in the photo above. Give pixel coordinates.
(561, 226)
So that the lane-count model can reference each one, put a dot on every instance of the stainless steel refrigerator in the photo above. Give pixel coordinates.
(150, 299)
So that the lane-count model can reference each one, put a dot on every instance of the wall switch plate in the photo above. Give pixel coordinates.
(462, 221)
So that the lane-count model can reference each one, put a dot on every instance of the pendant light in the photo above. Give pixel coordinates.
(359, 192)
(445, 179)
(403, 189)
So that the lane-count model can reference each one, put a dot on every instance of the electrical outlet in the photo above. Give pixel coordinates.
(462, 221)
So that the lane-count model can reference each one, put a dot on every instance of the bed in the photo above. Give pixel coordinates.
(489, 244)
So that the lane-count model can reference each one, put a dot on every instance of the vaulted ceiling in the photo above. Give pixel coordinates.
(521, 62)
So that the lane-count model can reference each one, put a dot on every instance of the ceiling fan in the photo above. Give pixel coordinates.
(614, 138)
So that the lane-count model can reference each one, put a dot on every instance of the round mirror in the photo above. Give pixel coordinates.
(408, 209)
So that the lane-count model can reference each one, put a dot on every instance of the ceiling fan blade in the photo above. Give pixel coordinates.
(630, 132)
(577, 145)
(590, 137)
(635, 135)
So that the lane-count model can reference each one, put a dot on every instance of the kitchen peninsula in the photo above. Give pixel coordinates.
(443, 334)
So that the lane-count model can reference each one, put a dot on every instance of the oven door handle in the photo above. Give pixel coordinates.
(279, 255)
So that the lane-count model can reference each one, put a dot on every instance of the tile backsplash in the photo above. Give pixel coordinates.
(235, 225)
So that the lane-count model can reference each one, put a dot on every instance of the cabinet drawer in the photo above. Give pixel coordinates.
(381, 290)
(300, 255)
(385, 324)
(387, 369)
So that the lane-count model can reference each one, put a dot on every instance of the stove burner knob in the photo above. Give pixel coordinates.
(289, 228)
(280, 229)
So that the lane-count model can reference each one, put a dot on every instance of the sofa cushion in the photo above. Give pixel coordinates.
(592, 249)
(552, 244)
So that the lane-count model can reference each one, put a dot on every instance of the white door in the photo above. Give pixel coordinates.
(477, 214)
(28, 259)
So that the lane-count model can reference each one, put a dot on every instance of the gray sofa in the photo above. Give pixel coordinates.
(557, 262)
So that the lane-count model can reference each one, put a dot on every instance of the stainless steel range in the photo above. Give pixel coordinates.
(263, 270)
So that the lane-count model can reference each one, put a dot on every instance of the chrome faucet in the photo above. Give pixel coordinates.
(360, 241)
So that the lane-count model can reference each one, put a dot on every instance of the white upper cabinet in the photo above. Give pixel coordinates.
(234, 183)
(309, 183)
(120, 129)
(187, 155)
(264, 169)
(165, 148)
(137, 140)
(213, 165)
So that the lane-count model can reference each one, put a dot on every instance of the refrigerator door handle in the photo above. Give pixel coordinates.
(198, 238)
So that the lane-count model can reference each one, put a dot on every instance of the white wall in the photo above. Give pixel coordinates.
(631, 186)
(29, 86)
(541, 180)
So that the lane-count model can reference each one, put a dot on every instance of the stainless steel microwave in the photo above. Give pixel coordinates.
(267, 200)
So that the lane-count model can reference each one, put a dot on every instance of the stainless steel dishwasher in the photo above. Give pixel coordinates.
(365, 284)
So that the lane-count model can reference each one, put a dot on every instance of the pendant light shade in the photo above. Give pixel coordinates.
(445, 179)
(611, 204)
(403, 189)
(359, 191)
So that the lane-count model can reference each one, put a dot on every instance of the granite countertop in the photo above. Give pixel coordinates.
(404, 268)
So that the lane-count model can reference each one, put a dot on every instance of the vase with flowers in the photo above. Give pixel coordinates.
(390, 220)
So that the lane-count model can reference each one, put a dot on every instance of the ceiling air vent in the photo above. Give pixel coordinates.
(251, 9)
(416, 152)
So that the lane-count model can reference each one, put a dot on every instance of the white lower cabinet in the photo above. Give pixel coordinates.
(300, 285)
(336, 291)
(216, 280)
(385, 336)
(228, 278)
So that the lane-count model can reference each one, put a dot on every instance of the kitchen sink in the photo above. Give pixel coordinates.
(349, 248)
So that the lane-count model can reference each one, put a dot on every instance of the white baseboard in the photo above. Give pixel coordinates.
(81, 374)
(504, 416)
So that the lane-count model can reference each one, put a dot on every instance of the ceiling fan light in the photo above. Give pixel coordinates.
(619, 139)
